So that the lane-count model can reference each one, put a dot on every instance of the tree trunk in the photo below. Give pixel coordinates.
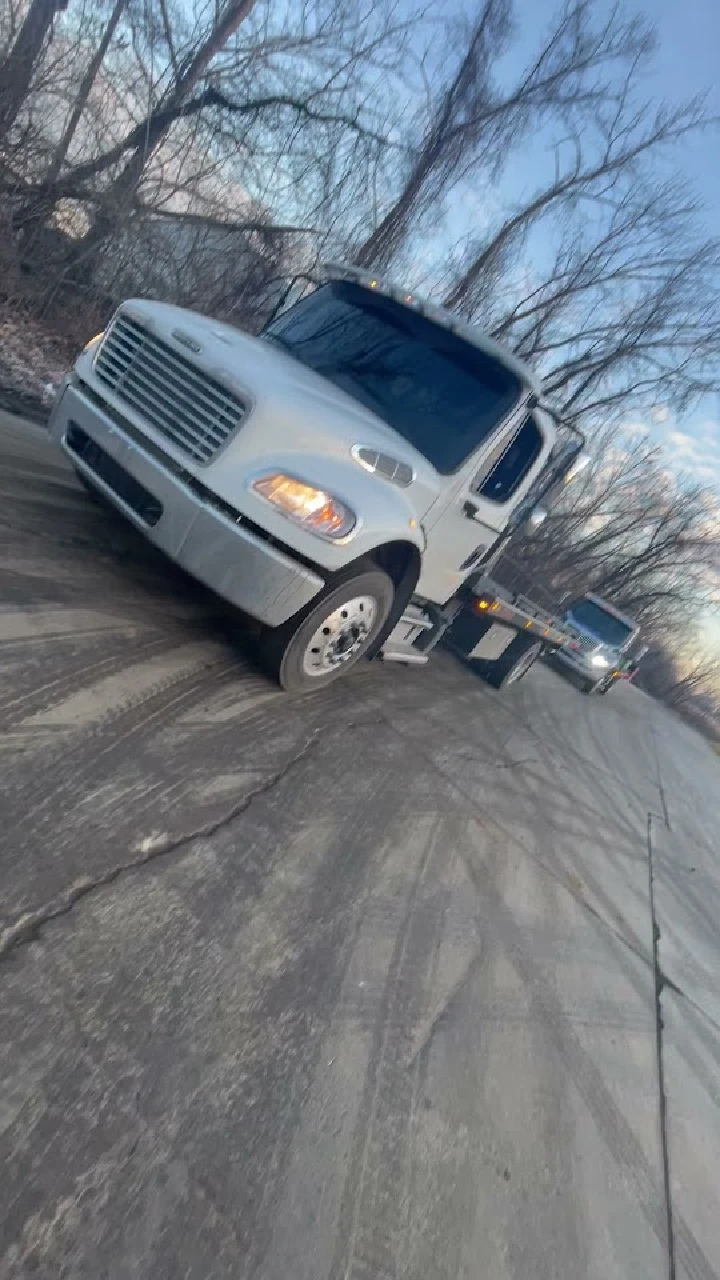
(154, 129)
(84, 91)
(37, 211)
(17, 70)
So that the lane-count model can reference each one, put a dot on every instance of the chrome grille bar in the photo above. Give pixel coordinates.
(178, 400)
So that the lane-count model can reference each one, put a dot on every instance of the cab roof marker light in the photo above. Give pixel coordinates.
(340, 271)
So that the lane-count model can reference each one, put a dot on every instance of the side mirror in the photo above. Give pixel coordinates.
(536, 518)
(578, 464)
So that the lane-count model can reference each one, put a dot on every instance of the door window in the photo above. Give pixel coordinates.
(511, 468)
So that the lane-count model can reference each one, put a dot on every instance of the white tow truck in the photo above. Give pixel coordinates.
(347, 479)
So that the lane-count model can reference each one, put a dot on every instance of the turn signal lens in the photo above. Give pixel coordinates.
(312, 508)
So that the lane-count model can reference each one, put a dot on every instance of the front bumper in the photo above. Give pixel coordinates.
(577, 663)
(571, 660)
(233, 560)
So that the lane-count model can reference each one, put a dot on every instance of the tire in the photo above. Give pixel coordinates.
(594, 687)
(324, 640)
(515, 662)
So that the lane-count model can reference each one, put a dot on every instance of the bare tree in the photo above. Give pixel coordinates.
(626, 310)
(289, 98)
(630, 531)
(475, 122)
(16, 70)
(677, 672)
(458, 122)
(83, 93)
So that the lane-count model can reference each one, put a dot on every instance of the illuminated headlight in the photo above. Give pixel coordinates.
(599, 661)
(312, 508)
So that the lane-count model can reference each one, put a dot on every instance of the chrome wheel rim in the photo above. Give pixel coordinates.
(340, 636)
(523, 664)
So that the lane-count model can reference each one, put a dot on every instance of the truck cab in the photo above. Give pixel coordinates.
(367, 450)
(602, 637)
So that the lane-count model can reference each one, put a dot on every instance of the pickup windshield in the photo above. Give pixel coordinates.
(442, 394)
(608, 629)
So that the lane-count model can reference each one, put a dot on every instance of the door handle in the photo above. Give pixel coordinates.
(470, 510)
(474, 557)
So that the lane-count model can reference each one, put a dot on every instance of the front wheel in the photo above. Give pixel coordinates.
(336, 629)
(514, 663)
(595, 687)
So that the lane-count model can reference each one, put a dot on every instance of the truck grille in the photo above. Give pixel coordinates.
(589, 643)
(194, 412)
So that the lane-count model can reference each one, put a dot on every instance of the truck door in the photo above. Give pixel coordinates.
(461, 530)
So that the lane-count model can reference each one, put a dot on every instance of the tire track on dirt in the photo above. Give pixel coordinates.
(134, 602)
(371, 1216)
(87, 762)
(78, 674)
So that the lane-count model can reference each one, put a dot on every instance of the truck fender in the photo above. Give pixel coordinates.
(402, 561)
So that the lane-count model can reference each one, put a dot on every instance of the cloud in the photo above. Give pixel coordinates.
(680, 442)
(695, 452)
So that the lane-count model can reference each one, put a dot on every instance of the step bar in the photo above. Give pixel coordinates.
(399, 646)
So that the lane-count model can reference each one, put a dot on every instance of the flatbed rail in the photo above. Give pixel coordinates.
(519, 611)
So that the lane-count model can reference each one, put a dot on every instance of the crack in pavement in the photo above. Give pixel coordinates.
(660, 982)
(29, 926)
(659, 783)
(593, 911)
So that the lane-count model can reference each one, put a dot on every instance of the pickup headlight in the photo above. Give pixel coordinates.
(312, 508)
(599, 661)
(94, 343)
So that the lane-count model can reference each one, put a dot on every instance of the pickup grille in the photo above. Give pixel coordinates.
(589, 643)
(191, 410)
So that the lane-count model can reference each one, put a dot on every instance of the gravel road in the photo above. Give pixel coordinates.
(410, 979)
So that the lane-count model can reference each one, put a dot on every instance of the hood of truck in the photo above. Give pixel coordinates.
(295, 418)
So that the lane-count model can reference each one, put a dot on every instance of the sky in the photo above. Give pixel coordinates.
(686, 62)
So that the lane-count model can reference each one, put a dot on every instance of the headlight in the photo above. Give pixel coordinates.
(312, 508)
(599, 661)
(93, 343)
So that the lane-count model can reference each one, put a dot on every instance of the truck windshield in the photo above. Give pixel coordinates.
(607, 628)
(442, 394)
